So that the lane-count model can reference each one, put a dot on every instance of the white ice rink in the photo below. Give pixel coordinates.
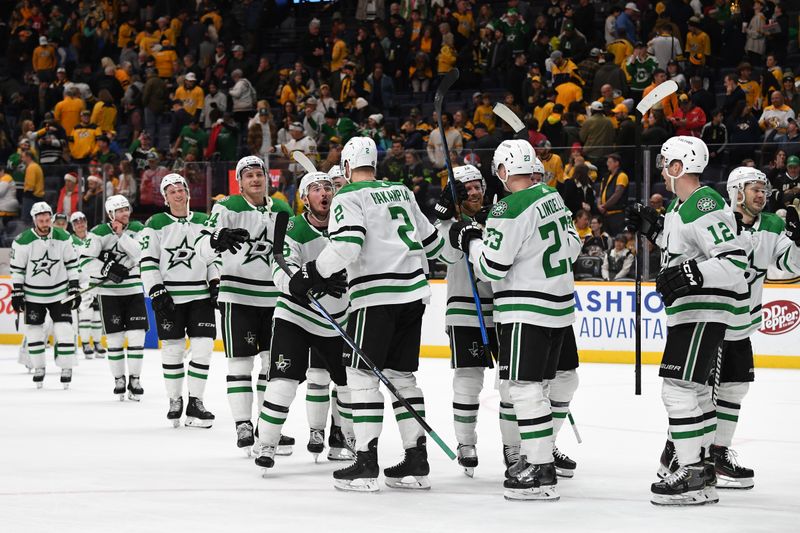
(79, 460)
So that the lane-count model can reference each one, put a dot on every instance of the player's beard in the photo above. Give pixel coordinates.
(470, 206)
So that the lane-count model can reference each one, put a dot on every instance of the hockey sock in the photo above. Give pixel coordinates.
(97, 327)
(406, 385)
(367, 406)
(85, 327)
(317, 398)
(334, 403)
(172, 352)
(706, 404)
(686, 425)
(240, 388)
(343, 415)
(65, 344)
(729, 401)
(534, 420)
(261, 384)
(35, 340)
(562, 389)
(135, 351)
(277, 399)
(467, 385)
(202, 348)
(509, 431)
(23, 357)
(116, 356)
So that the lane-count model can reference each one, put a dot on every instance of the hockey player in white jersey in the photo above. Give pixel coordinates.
(90, 329)
(240, 231)
(181, 286)
(303, 344)
(114, 252)
(44, 273)
(702, 283)
(380, 235)
(527, 254)
(337, 178)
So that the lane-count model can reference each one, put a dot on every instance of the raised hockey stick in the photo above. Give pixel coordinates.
(281, 222)
(653, 97)
(303, 160)
(509, 117)
(447, 82)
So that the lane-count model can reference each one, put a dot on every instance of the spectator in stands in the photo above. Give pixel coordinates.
(790, 141)
(416, 176)
(598, 242)
(69, 195)
(669, 104)
(381, 87)
(625, 136)
(93, 201)
(744, 134)
(104, 113)
(259, 133)
(295, 90)
(192, 140)
(688, 119)
(614, 195)
(52, 142)
(104, 153)
(789, 184)
(665, 47)
(756, 44)
(751, 88)
(392, 168)
(33, 188)
(67, 111)
(484, 113)
(608, 73)
(626, 22)
(215, 104)
(657, 202)
(702, 97)
(597, 133)
(641, 68)
(578, 193)
(610, 25)
(582, 224)
(775, 118)
(155, 99)
(127, 185)
(44, 60)
(243, 97)
(715, 135)
(734, 97)
(9, 204)
(568, 92)
(83, 140)
(675, 74)
(618, 261)
(435, 146)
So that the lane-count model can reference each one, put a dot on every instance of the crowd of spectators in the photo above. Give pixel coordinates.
(104, 97)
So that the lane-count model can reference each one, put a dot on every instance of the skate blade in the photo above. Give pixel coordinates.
(340, 454)
(192, 422)
(419, 483)
(65, 385)
(730, 483)
(316, 457)
(357, 485)
(176, 422)
(694, 497)
(134, 397)
(547, 493)
(284, 450)
(565, 473)
(121, 397)
(469, 471)
(88, 356)
(247, 451)
(39, 384)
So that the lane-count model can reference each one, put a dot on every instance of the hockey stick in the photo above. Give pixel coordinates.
(509, 117)
(281, 222)
(653, 97)
(303, 160)
(447, 82)
(83, 291)
(574, 427)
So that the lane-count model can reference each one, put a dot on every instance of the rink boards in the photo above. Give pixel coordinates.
(604, 325)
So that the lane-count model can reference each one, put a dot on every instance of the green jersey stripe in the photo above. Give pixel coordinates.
(504, 308)
(388, 288)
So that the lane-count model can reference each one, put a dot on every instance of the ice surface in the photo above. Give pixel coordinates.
(79, 460)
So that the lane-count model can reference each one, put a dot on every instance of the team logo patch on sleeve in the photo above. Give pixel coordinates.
(706, 204)
(499, 208)
(290, 226)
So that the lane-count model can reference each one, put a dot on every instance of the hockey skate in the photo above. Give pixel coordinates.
(135, 389)
(119, 387)
(510, 458)
(265, 457)
(531, 482)
(99, 351)
(730, 474)
(88, 352)
(468, 458)
(175, 411)
(196, 414)
(565, 467)
(669, 461)
(362, 475)
(66, 377)
(285, 446)
(338, 447)
(686, 486)
(414, 465)
(244, 436)
(316, 443)
(38, 377)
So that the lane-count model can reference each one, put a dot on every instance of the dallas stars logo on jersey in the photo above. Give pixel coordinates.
(43, 265)
(283, 364)
(259, 248)
(250, 338)
(181, 255)
(475, 350)
(706, 204)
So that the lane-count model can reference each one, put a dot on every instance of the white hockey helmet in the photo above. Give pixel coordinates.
(358, 152)
(538, 166)
(115, 202)
(336, 172)
(692, 152)
(248, 162)
(739, 178)
(39, 208)
(173, 179)
(517, 156)
(76, 216)
(311, 178)
(467, 173)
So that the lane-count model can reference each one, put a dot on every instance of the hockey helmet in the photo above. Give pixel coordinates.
(690, 151)
(76, 216)
(739, 178)
(249, 162)
(311, 178)
(538, 167)
(116, 202)
(467, 173)
(39, 208)
(517, 156)
(173, 179)
(358, 152)
(335, 172)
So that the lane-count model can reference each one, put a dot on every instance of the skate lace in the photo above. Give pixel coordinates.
(265, 451)
(733, 459)
(198, 404)
(679, 475)
(242, 431)
(351, 443)
(316, 437)
(512, 454)
(174, 404)
(558, 454)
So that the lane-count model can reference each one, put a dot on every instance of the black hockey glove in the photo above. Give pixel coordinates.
(213, 290)
(160, 299)
(95, 303)
(18, 298)
(445, 208)
(115, 272)
(107, 256)
(229, 240)
(74, 292)
(462, 233)
(336, 285)
(793, 222)
(481, 216)
(307, 279)
(645, 220)
(679, 280)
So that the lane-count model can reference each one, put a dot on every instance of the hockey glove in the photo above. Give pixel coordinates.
(336, 285)
(74, 292)
(229, 240)
(793, 222)
(160, 299)
(679, 280)
(213, 290)
(306, 280)
(96, 303)
(645, 220)
(445, 208)
(107, 256)
(18, 298)
(481, 216)
(462, 233)
(115, 272)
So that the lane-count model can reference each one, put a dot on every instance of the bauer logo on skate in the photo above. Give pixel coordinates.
(779, 317)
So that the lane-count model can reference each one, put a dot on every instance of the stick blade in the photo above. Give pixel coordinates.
(303, 160)
(447, 82)
(656, 95)
(509, 117)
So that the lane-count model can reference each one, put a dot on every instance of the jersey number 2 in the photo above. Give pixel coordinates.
(407, 227)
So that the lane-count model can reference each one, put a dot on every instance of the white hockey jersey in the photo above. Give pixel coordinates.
(701, 228)
(380, 235)
(44, 266)
(169, 257)
(765, 244)
(527, 253)
(245, 277)
(304, 243)
(125, 249)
